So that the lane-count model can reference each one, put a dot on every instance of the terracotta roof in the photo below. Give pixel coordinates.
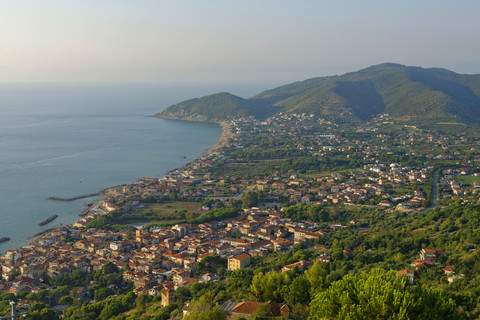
(405, 272)
(247, 307)
(242, 256)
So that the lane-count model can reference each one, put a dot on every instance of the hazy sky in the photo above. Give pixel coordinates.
(230, 40)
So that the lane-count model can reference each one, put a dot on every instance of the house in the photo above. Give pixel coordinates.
(168, 297)
(239, 261)
(299, 234)
(407, 273)
(347, 253)
(245, 309)
(155, 291)
(248, 308)
(208, 277)
(324, 258)
(180, 276)
(302, 265)
(281, 244)
(421, 263)
(448, 270)
(429, 254)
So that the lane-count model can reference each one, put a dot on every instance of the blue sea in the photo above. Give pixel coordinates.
(72, 139)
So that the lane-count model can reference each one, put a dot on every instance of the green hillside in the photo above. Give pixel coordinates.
(216, 107)
(406, 93)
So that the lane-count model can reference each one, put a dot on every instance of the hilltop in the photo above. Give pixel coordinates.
(406, 93)
(216, 107)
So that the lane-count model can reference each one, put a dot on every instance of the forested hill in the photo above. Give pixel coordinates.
(406, 93)
(216, 107)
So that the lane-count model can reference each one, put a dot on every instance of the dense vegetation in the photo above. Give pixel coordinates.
(406, 93)
(380, 295)
(216, 107)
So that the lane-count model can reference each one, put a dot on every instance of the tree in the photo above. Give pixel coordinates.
(211, 264)
(40, 311)
(111, 309)
(103, 293)
(203, 309)
(317, 277)
(380, 295)
(249, 199)
(44, 314)
(109, 267)
(298, 291)
(273, 286)
(66, 300)
(22, 294)
(143, 299)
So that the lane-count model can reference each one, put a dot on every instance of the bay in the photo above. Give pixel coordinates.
(70, 139)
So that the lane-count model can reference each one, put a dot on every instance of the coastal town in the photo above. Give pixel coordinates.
(157, 260)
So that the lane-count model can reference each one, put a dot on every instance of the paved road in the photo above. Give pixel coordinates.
(433, 205)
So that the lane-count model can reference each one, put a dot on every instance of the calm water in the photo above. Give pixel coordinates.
(67, 140)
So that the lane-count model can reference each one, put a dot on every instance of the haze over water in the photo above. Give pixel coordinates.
(68, 140)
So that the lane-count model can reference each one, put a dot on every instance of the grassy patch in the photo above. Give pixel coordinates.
(445, 127)
(467, 180)
(418, 232)
(255, 167)
(166, 210)
(159, 212)
(329, 173)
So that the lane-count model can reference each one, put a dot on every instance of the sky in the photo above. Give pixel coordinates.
(230, 40)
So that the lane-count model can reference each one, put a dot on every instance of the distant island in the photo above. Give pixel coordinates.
(410, 94)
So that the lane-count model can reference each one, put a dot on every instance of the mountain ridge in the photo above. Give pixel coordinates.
(406, 93)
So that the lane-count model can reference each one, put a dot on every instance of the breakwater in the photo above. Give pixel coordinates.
(48, 220)
(75, 198)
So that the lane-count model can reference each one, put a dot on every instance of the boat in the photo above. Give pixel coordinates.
(48, 220)
(4, 239)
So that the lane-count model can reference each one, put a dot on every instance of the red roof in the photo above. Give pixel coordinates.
(247, 307)
(405, 272)
(242, 256)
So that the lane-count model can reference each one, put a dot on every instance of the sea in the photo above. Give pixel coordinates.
(67, 140)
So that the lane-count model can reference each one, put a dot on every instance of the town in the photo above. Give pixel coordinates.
(250, 205)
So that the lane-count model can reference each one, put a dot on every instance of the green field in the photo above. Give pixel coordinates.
(167, 209)
(467, 180)
(159, 212)
(256, 167)
(330, 172)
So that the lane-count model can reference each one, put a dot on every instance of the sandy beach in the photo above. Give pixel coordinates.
(226, 135)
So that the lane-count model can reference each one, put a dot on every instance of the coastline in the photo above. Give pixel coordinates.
(226, 132)
(224, 137)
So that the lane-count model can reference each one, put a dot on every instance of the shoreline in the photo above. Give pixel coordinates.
(224, 137)
(226, 133)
